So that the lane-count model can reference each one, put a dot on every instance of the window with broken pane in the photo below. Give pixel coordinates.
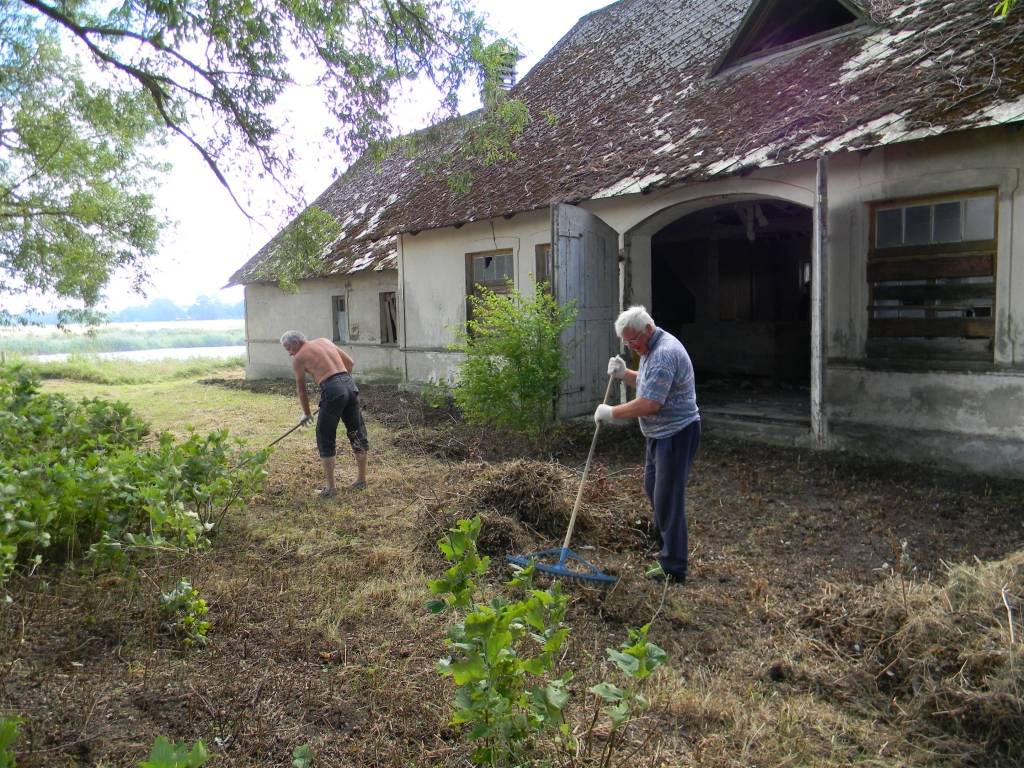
(931, 277)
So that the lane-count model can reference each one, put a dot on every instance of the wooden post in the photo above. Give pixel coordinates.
(819, 306)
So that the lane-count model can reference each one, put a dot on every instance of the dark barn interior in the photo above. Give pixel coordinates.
(733, 283)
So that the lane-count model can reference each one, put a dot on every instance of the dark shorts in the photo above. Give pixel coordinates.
(339, 401)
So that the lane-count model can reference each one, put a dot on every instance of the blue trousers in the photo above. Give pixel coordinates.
(666, 473)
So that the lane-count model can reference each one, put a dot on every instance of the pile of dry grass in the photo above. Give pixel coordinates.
(946, 662)
(525, 505)
(532, 492)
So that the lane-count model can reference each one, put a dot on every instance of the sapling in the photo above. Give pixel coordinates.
(504, 657)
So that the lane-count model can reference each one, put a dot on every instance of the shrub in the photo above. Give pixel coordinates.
(515, 361)
(78, 478)
(505, 658)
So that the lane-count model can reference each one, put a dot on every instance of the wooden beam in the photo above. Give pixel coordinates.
(819, 305)
(920, 294)
(979, 265)
(939, 327)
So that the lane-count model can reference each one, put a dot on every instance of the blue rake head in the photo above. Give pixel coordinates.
(569, 565)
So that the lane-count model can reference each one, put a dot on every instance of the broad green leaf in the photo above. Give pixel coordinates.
(608, 691)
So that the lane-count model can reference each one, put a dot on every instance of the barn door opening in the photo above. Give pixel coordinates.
(586, 270)
(733, 282)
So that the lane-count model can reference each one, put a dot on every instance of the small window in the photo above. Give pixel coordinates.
(544, 268)
(388, 318)
(340, 319)
(931, 275)
(493, 270)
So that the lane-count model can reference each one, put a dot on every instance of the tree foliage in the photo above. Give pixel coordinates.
(74, 205)
(88, 86)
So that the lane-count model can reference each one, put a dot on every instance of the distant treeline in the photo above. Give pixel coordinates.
(159, 310)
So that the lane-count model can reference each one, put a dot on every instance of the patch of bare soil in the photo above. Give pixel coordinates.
(819, 626)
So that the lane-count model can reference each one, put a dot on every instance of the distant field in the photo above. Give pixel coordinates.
(120, 337)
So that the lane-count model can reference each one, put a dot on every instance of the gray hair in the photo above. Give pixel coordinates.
(635, 318)
(290, 338)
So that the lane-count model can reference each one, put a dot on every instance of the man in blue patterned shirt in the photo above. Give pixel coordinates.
(666, 405)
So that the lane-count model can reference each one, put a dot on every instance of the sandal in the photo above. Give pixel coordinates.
(327, 493)
(358, 485)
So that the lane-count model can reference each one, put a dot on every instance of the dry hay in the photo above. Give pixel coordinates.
(540, 495)
(500, 534)
(532, 492)
(447, 445)
(947, 661)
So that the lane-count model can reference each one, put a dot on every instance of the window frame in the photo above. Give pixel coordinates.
(384, 316)
(544, 267)
(337, 335)
(497, 286)
(930, 274)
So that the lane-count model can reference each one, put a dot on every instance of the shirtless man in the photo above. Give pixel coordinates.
(331, 368)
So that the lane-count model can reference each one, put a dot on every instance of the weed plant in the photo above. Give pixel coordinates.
(88, 479)
(186, 614)
(9, 733)
(164, 754)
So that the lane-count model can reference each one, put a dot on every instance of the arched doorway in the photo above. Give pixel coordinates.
(732, 281)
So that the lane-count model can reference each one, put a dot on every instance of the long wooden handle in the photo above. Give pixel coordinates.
(586, 469)
(282, 437)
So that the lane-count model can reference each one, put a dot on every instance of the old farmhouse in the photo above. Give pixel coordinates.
(821, 198)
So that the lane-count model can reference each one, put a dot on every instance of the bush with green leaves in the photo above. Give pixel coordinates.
(87, 479)
(505, 656)
(515, 360)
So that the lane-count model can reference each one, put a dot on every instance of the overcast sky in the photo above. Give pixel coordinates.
(212, 238)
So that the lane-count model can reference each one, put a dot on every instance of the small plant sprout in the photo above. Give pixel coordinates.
(302, 757)
(9, 734)
(164, 754)
(186, 612)
(511, 697)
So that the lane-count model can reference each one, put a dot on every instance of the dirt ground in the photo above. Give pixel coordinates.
(320, 637)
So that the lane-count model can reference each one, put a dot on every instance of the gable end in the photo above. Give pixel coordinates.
(771, 26)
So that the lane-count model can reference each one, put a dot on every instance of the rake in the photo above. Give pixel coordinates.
(282, 437)
(562, 561)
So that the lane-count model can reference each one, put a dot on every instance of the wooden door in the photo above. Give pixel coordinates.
(586, 263)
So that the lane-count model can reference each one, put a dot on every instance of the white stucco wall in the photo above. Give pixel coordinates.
(269, 312)
(432, 269)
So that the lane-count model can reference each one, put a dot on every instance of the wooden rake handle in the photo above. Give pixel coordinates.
(586, 470)
(282, 437)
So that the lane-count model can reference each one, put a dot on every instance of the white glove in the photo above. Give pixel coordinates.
(617, 367)
(306, 419)
(603, 413)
